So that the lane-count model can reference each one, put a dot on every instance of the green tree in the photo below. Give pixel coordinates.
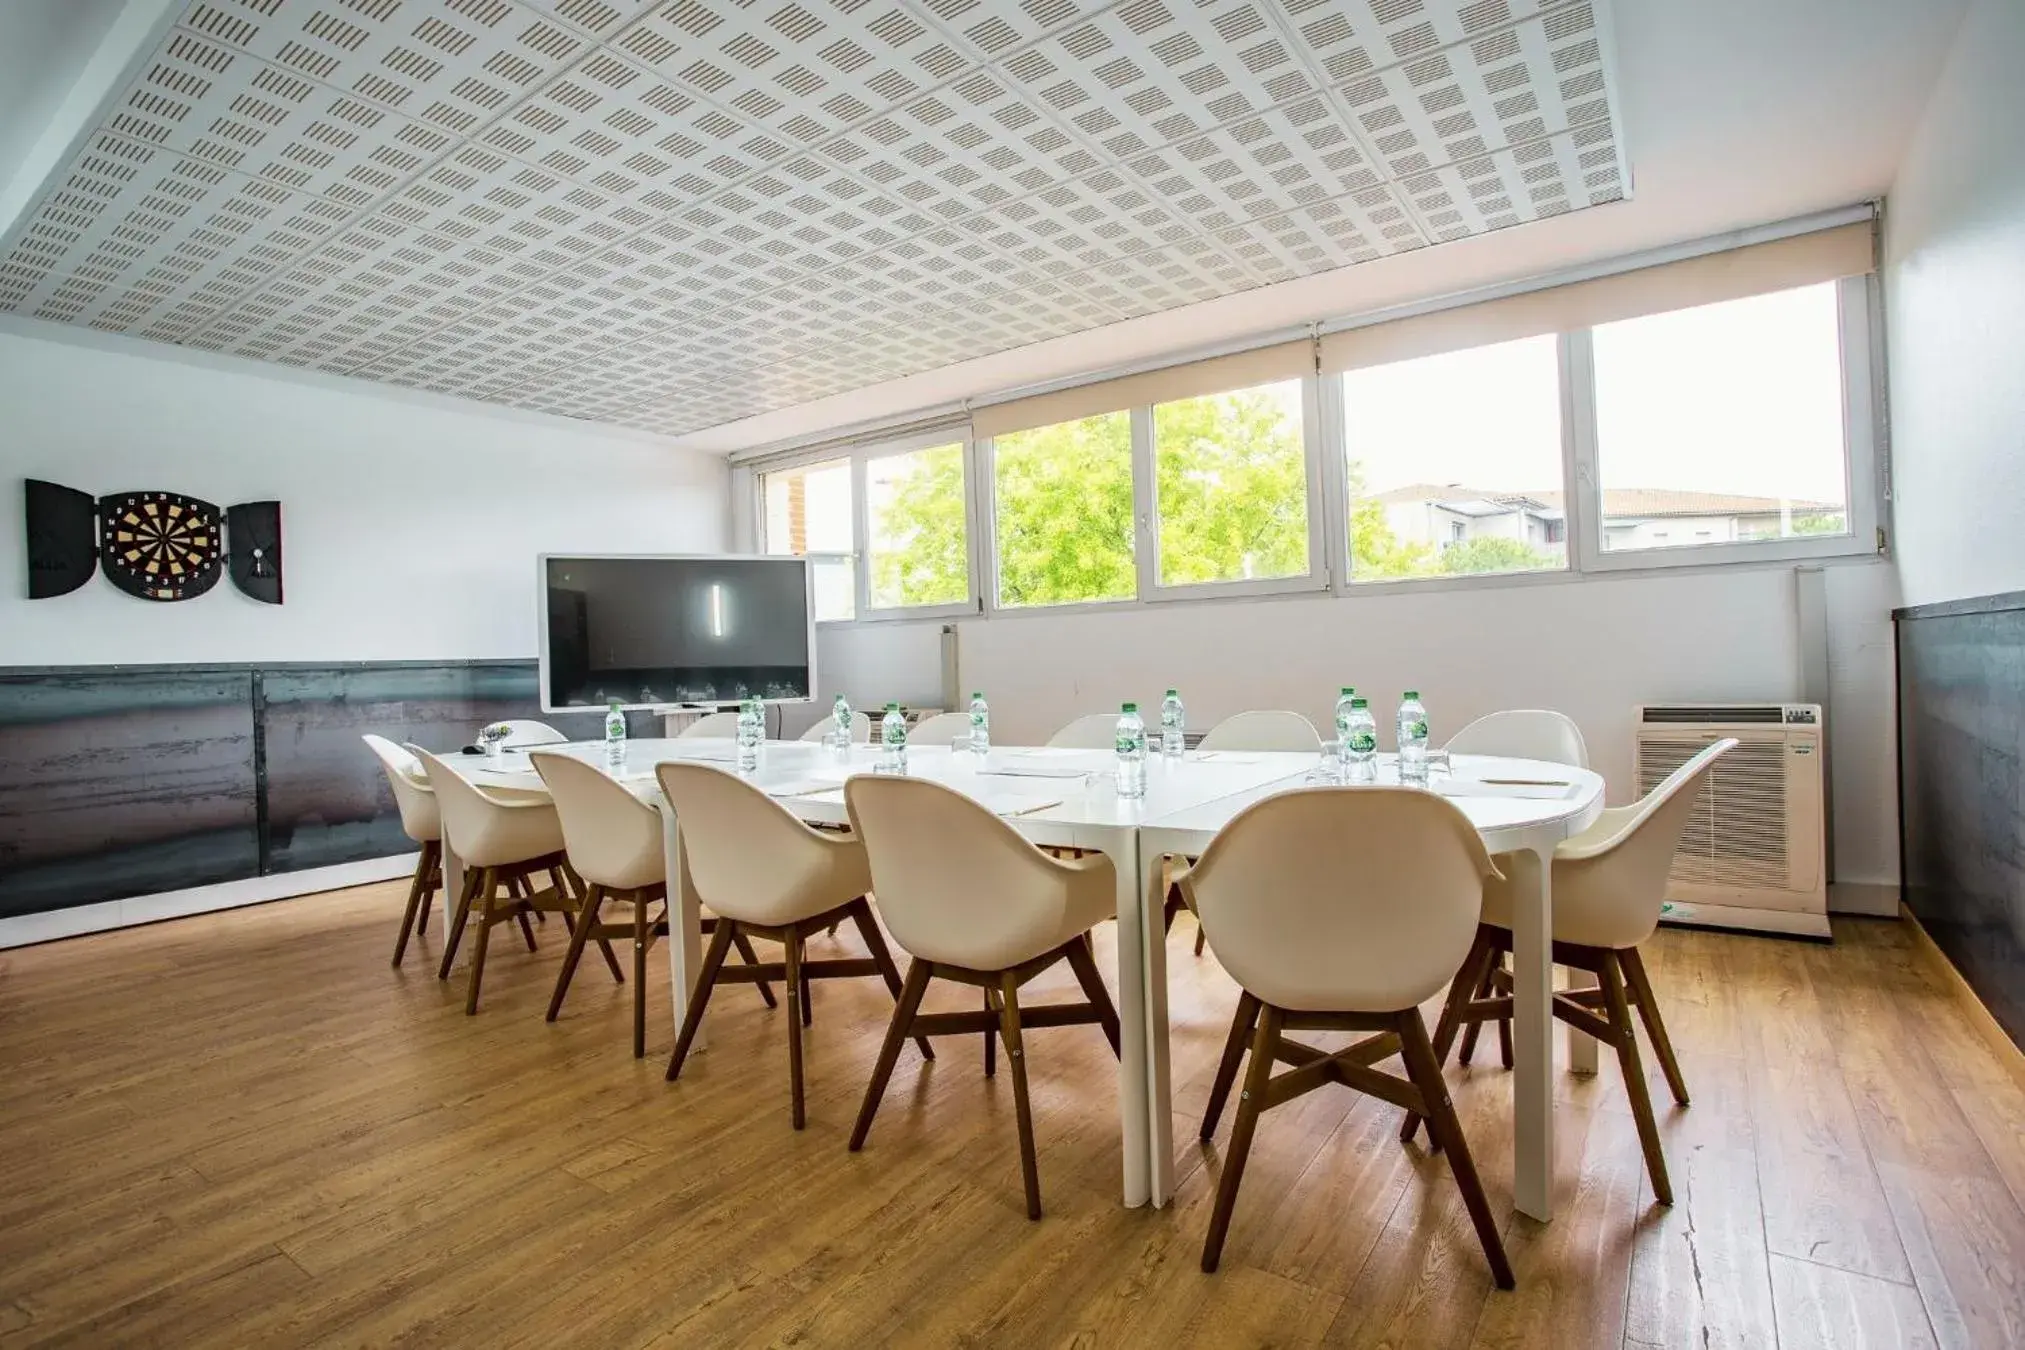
(1468, 556)
(1824, 522)
(1231, 476)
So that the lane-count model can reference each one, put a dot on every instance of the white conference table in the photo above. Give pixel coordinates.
(1185, 804)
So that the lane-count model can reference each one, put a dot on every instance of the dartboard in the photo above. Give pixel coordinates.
(160, 545)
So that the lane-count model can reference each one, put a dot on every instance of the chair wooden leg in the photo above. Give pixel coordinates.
(486, 885)
(990, 1040)
(639, 976)
(1085, 967)
(1619, 1010)
(798, 997)
(706, 979)
(1201, 938)
(751, 958)
(808, 1003)
(911, 990)
(418, 887)
(1265, 1040)
(1425, 1071)
(1241, 1027)
(520, 888)
(875, 944)
(463, 916)
(1023, 1115)
(580, 932)
(1655, 1029)
(1485, 988)
(1460, 990)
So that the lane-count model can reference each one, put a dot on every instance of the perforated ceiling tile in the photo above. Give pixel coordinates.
(674, 213)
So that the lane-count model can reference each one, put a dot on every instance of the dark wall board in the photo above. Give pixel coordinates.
(118, 781)
(1961, 698)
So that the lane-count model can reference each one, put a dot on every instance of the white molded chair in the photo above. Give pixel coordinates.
(1265, 730)
(767, 875)
(721, 725)
(1609, 883)
(942, 729)
(522, 732)
(1523, 733)
(861, 729)
(501, 842)
(1341, 909)
(976, 904)
(421, 822)
(1091, 731)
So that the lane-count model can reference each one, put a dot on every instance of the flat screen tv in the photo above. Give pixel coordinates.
(657, 632)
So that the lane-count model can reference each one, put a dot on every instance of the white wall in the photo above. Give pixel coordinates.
(1955, 297)
(1593, 648)
(409, 527)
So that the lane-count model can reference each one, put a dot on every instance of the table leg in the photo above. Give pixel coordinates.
(1152, 883)
(1135, 1032)
(685, 928)
(1533, 1042)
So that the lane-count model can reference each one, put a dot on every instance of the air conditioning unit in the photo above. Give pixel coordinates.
(1755, 853)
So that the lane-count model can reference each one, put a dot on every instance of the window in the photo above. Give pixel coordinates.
(1231, 486)
(1062, 512)
(917, 539)
(1454, 463)
(809, 514)
(1723, 424)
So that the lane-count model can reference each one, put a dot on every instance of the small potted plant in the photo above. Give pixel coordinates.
(492, 739)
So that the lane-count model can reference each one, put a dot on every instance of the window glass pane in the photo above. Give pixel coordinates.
(917, 540)
(1723, 423)
(1455, 463)
(1231, 486)
(1063, 512)
(808, 514)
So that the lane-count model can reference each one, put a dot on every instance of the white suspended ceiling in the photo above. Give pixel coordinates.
(676, 215)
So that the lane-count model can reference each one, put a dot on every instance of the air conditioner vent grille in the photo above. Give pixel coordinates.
(1737, 835)
(1702, 714)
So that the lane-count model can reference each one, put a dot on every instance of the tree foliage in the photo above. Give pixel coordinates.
(1493, 554)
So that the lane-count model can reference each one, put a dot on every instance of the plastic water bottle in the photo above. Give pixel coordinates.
(1132, 752)
(1173, 726)
(751, 731)
(840, 733)
(615, 733)
(1360, 743)
(1344, 701)
(893, 741)
(980, 724)
(1412, 739)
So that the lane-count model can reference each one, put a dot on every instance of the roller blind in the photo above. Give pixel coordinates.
(1781, 264)
(1241, 370)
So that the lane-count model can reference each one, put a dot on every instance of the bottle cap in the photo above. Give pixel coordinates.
(1360, 703)
(1348, 690)
(1413, 693)
(977, 693)
(1130, 707)
(892, 707)
(1174, 693)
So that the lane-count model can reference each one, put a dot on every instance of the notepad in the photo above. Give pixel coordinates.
(803, 787)
(1028, 768)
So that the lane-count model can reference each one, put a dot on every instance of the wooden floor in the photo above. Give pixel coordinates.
(247, 1130)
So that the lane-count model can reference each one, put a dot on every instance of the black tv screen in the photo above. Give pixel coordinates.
(652, 632)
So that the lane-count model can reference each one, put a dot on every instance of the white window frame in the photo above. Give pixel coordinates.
(1147, 504)
(1860, 460)
(985, 570)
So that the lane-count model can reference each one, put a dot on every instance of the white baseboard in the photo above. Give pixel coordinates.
(1878, 899)
(23, 929)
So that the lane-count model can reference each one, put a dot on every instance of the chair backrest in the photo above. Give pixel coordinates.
(722, 725)
(1091, 731)
(1355, 899)
(613, 838)
(954, 882)
(861, 728)
(484, 830)
(941, 729)
(1268, 730)
(522, 732)
(1610, 881)
(1524, 733)
(420, 819)
(748, 856)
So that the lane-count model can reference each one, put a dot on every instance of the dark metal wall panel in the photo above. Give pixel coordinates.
(119, 783)
(327, 800)
(1961, 690)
